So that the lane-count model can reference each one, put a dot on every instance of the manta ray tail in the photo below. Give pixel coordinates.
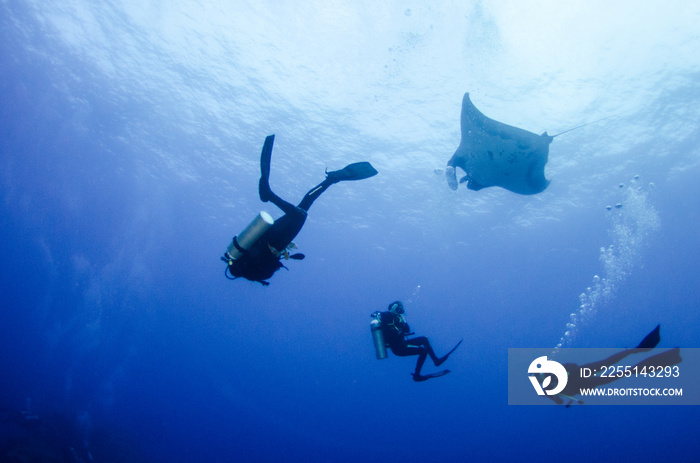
(582, 125)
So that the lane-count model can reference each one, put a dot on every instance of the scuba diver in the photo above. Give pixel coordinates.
(575, 382)
(389, 329)
(256, 252)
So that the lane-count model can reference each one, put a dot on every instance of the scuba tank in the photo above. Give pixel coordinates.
(252, 233)
(378, 336)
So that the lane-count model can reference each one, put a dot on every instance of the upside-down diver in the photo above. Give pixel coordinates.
(256, 252)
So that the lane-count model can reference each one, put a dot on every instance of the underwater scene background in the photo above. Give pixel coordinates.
(130, 136)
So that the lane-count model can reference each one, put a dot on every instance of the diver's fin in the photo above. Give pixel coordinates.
(418, 378)
(651, 340)
(355, 171)
(297, 256)
(442, 359)
(265, 158)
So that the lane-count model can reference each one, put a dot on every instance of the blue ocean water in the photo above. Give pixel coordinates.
(130, 135)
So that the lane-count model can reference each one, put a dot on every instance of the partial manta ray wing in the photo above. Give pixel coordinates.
(492, 153)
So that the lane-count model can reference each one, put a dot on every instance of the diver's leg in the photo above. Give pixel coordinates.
(402, 349)
(287, 208)
(610, 361)
(422, 342)
(415, 348)
(264, 190)
(649, 342)
(406, 349)
(355, 171)
(285, 229)
(313, 194)
(419, 363)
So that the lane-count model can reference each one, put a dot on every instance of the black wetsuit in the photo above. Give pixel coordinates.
(262, 260)
(395, 330)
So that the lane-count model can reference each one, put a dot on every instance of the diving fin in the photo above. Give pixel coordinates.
(265, 157)
(651, 340)
(442, 359)
(355, 171)
(418, 378)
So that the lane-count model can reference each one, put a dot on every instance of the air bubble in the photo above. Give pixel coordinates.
(630, 228)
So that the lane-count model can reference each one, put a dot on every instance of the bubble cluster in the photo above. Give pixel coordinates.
(415, 296)
(633, 220)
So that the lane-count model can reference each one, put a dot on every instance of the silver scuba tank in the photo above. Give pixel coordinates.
(249, 235)
(378, 337)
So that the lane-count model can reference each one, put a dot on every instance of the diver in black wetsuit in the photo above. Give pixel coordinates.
(575, 382)
(262, 260)
(395, 330)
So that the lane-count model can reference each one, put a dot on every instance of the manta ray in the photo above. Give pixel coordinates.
(492, 153)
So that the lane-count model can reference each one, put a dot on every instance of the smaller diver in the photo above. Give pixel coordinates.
(389, 329)
(575, 382)
(256, 252)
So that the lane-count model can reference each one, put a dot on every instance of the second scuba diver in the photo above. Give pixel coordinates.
(256, 252)
(390, 329)
(575, 382)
